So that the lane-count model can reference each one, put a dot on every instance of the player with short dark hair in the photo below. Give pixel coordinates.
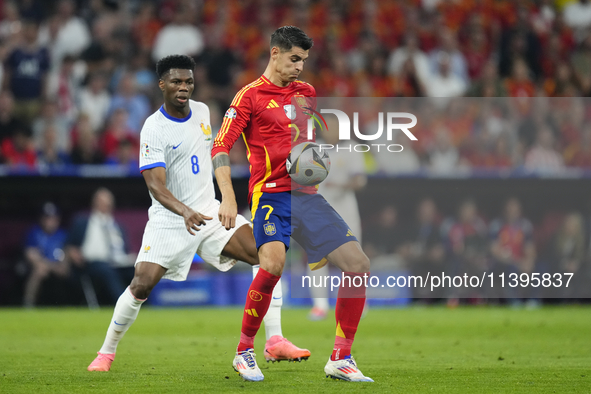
(287, 37)
(178, 62)
(175, 161)
(264, 114)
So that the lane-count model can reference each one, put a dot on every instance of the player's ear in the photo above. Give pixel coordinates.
(274, 53)
(161, 84)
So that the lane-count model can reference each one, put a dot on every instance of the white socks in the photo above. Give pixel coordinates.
(272, 319)
(126, 311)
(320, 294)
(128, 307)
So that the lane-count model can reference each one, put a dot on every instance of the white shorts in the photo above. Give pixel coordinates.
(167, 242)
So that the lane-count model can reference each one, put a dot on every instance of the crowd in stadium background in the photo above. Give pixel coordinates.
(79, 80)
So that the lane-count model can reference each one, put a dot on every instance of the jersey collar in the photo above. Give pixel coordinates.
(178, 120)
(268, 81)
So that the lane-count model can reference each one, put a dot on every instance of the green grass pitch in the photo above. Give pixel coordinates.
(412, 350)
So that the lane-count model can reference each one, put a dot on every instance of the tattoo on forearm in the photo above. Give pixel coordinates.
(221, 161)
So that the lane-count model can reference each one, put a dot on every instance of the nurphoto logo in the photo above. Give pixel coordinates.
(388, 121)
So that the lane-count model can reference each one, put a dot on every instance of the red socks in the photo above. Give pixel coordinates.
(256, 306)
(350, 303)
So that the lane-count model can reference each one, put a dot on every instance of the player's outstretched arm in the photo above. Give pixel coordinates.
(228, 208)
(156, 180)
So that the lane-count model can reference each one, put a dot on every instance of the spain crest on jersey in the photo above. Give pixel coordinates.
(270, 229)
(300, 100)
(290, 111)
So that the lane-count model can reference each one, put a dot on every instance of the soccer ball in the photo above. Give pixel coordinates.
(307, 164)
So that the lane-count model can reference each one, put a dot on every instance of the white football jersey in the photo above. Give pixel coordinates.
(183, 148)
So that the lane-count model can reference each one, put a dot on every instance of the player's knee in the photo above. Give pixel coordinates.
(359, 263)
(274, 267)
(141, 287)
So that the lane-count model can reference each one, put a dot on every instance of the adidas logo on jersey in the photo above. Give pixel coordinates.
(272, 104)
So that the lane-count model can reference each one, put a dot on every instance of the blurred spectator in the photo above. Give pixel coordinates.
(418, 59)
(117, 131)
(19, 150)
(503, 156)
(135, 104)
(512, 246)
(146, 26)
(32, 9)
(427, 253)
(568, 252)
(385, 236)
(581, 63)
(141, 68)
(553, 54)
(577, 15)
(448, 46)
(91, 10)
(63, 88)
(49, 154)
(540, 115)
(543, 156)
(578, 154)
(95, 101)
(25, 73)
(519, 43)
(218, 59)
(489, 84)
(96, 247)
(375, 81)
(443, 82)
(467, 243)
(11, 24)
(403, 160)
(44, 253)
(542, 17)
(126, 155)
(519, 84)
(443, 157)
(336, 81)
(476, 52)
(366, 48)
(86, 148)
(567, 119)
(178, 37)
(477, 151)
(562, 83)
(103, 44)
(142, 71)
(64, 33)
(8, 123)
(49, 117)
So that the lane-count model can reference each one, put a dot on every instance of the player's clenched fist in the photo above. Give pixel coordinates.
(227, 214)
(193, 220)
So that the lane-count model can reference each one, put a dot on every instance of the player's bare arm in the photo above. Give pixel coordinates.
(228, 207)
(156, 181)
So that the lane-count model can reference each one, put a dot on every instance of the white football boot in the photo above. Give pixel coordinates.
(345, 369)
(245, 364)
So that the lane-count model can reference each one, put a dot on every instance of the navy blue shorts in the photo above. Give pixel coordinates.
(308, 218)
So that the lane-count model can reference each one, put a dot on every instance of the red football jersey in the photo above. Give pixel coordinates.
(270, 124)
